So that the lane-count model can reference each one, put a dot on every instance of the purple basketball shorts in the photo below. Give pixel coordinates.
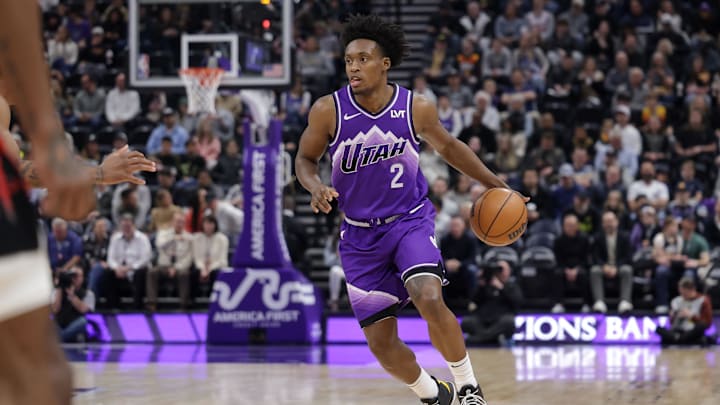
(379, 260)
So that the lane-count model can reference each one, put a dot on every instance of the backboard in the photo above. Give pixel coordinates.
(249, 39)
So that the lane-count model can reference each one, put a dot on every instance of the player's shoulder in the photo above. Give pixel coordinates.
(422, 104)
(324, 105)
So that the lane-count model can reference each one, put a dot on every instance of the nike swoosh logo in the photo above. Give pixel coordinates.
(349, 117)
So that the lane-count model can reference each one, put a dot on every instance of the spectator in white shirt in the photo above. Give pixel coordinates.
(631, 138)
(540, 21)
(474, 22)
(62, 51)
(175, 257)
(129, 255)
(121, 104)
(210, 250)
(656, 192)
(229, 217)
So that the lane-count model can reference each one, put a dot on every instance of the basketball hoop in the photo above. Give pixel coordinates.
(201, 85)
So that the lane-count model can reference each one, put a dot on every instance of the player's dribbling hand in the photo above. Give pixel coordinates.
(120, 165)
(321, 198)
(69, 184)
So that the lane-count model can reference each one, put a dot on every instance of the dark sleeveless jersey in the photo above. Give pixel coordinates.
(18, 221)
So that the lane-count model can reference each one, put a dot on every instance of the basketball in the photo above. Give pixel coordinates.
(499, 217)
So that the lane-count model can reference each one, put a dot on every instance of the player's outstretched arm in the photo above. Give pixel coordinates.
(313, 143)
(455, 152)
(26, 75)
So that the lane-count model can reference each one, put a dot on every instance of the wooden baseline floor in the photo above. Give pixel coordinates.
(584, 375)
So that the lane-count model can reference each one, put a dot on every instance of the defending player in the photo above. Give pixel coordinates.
(33, 369)
(373, 129)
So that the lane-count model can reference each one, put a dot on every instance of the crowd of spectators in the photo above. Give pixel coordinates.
(604, 113)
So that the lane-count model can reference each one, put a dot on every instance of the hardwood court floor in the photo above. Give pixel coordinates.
(347, 375)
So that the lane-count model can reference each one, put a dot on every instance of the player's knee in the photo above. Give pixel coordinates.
(381, 345)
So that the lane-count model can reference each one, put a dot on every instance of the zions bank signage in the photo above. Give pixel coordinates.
(589, 328)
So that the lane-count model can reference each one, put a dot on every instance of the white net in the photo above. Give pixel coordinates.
(201, 85)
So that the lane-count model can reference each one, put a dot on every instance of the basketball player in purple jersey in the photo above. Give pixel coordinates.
(388, 251)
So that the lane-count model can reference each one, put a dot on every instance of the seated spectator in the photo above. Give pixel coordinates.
(656, 191)
(460, 95)
(588, 218)
(208, 144)
(577, 19)
(96, 252)
(295, 234)
(616, 204)
(65, 247)
(294, 107)
(230, 165)
(204, 180)
(653, 109)
(497, 62)
(438, 62)
(229, 217)
(631, 138)
(548, 157)
(531, 60)
(89, 104)
(449, 116)
(91, 152)
(619, 74)
(458, 249)
(572, 250)
(331, 258)
(191, 163)
(166, 181)
(122, 104)
(420, 87)
(497, 299)
(468, 63)
(175, 257)
(611, 265)
(506, 160)
(519, 86)
(315, 65)
(696, 251)
(210, 250)
(475, 21)
(694, 186)
(601, 47)
(695, 142)
(539, 196)
(96, 57)
(432, 164)
(70, 303)
(161, 216)
(635, 91)
(711, 226)
(645, 228)
(509, 26)
(169, 128)
(129, 255)
(166, 158)
(564, 193)
(667, 253)
(440, 188)
(133, 199)
(62, 51)
(656, 144)
(561, 78)
(690, 316)
(681, 206)
(589, 83)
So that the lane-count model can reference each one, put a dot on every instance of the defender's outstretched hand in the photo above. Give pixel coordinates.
(120, 166)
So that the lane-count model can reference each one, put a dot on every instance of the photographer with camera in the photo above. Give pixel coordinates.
(70, 303)
(498, 298)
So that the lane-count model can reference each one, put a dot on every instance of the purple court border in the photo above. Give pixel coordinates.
(531, 328)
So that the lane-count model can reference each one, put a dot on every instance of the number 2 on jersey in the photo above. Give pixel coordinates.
(400, 169)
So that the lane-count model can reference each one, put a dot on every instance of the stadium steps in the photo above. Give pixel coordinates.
(414, 18)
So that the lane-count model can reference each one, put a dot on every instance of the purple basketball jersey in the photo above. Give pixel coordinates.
(375, 165)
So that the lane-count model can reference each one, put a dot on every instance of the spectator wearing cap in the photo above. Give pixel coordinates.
(89, 104)
(656, 192)
(95, 58)
(119, 140)
(165, 156)
(572, 252)
(577, 19)
(565, 191)
(175, 257)
(122, 104)
(170, 128)
(611, 259)
(587, 216)
(631, 139)
(91, 150)
(613, 153)
(129, 255)
(690, 316)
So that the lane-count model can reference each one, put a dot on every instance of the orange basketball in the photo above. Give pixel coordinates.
(499, 217)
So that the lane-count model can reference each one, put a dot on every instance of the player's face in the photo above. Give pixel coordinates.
(365, 65)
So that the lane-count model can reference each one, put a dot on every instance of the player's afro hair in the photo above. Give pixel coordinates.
(390, 37)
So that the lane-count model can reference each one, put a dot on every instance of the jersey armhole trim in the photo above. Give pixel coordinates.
(411, 125)
(338, 120)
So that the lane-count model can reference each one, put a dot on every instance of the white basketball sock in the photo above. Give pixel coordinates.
(463, 372)
(424, 387)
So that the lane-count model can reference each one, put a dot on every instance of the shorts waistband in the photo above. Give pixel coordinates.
(369, 223)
